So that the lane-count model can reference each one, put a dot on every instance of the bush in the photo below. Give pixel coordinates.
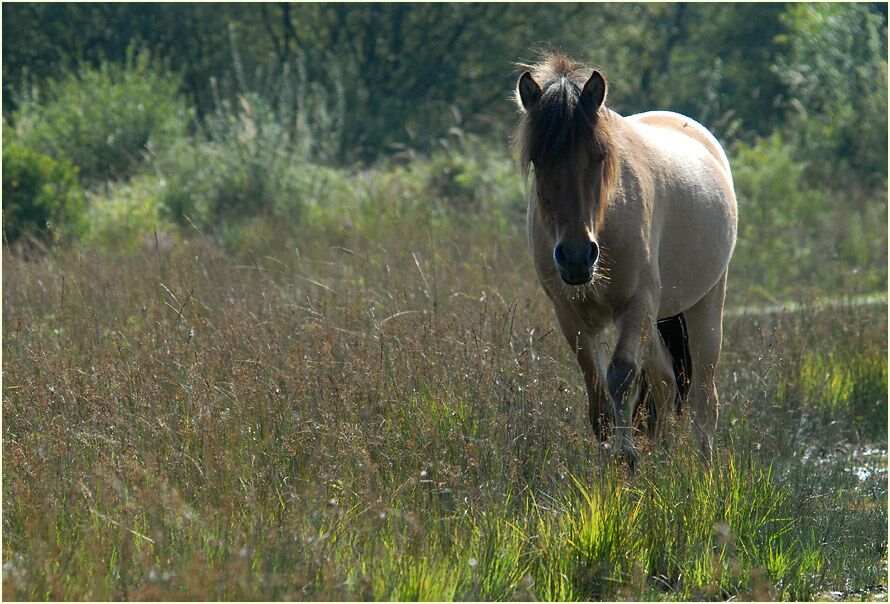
(127, 214)
(104, 119)
(247, 166)
(473, 177)
(794, 236)
(38, 191)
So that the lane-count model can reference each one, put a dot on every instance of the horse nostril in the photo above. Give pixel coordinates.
(559, 254)
(594, 253)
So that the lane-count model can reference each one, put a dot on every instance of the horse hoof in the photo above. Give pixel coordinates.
(602, 428)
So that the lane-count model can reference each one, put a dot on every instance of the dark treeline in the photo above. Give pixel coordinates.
(395, 75)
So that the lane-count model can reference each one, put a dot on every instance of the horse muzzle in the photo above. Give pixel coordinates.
(575, 263)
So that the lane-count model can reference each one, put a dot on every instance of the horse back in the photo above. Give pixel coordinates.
(686, 126)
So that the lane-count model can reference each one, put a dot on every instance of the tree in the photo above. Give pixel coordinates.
(837, 72)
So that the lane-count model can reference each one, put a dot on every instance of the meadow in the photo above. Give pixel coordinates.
(373, 402)
(271, 329)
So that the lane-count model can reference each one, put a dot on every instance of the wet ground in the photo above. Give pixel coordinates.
(868, 464)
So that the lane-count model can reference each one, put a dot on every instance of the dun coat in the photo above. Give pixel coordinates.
(631, 220)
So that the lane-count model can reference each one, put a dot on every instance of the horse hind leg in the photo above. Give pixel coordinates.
(704, 325)
(675, 336)
(658, 386)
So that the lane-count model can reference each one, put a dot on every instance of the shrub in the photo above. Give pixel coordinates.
(246, 167)
(794, 236)
(104, 119)
(246, 175)
(474, 177)
(127, 214)
(250, 177)
(38, 191)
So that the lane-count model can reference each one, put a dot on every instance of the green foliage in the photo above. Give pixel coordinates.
(795, 239)
(654, 55)
(247, 166)
(40, 41)
(837, 73)
(125, 215)
(252, 168)
(367, 81)
(105, 120)
(730, 86)
(398, 87)
(39, 191)
(472, 177)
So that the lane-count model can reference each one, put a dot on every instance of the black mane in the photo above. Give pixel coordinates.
(555, 126)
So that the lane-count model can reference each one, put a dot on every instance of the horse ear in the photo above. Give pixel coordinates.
(594, 92)
(529, 91)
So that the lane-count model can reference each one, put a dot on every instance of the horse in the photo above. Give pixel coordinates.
(632, 221)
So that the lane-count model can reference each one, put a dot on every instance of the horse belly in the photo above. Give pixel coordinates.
(695, 244)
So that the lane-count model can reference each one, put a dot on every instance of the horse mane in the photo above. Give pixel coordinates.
(555, 130)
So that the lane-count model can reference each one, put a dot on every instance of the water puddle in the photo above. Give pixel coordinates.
(877, 593)
(867, 463)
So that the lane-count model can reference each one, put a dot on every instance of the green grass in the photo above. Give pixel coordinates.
(384, 411)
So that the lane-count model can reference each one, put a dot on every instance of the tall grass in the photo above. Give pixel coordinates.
(383, 412)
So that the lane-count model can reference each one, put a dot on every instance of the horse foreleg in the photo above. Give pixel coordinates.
(599, 407)
(599, 410)
(635, 326)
